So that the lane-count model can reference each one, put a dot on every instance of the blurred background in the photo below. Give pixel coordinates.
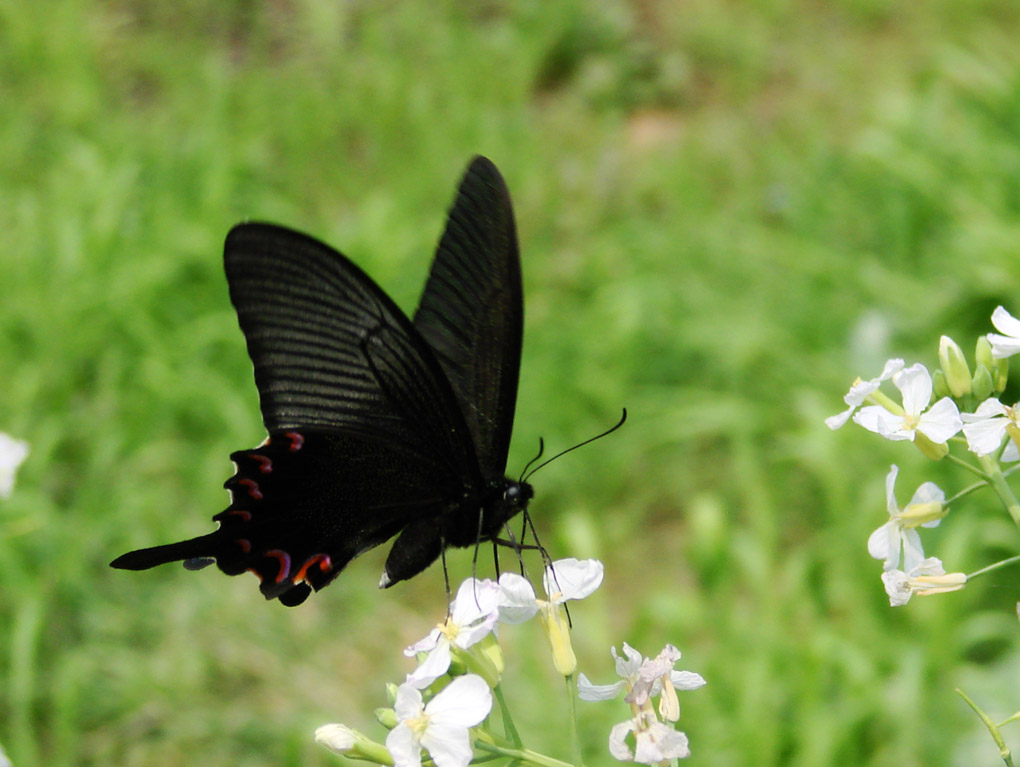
(727, 211)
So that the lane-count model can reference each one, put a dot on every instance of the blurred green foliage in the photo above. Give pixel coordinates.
(727, 211)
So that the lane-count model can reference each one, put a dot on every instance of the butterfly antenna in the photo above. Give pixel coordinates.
(606, 433)
(541, 449)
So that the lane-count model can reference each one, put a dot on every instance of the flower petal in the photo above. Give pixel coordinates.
(915, 383)
(836, 421)
(572, 579)
(1005, 322)
(464, 702)
(434, 666)
(448, 745)
(1010, 454)
(884, 544)
(408, 702)
(913, 552)
(627, 667)
(929, 492)
(881, 421)
(595, 692)
(428, 644)
(990, 408)
(985, 436)
(1008, 344)
(660, 743)
(403, 747)
(517, 601)
(687, 680)
(890, 492)
(618, 747)
(476, 600)
(941, 422)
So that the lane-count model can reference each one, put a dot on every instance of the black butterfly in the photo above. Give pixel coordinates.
(378, 426)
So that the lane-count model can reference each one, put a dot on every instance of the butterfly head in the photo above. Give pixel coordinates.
(517, 494)
(509, 498)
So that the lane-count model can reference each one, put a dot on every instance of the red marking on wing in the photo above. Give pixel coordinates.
(244, 543)
(253, 488)
(265, 463)
(284, 558)
(322, 560)
(244, 515)
(296, 440)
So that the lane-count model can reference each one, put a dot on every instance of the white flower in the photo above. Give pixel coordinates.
(859, 392)
(473, 614)
(929, 577)
(656, 676)
(442, 726)
(940, 422)
(12, 453)
(925, 509)
(563, 580)
(986, 426)
(643, 678)
(1005, 345)
(654, 741)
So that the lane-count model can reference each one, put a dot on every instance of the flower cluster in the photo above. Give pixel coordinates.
(655, 740)
(931, 413)
(443, 706)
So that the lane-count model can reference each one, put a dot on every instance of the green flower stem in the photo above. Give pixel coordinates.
(993, 728)
(508, 723)
(996, 566)
(966, 491)
(969, 467)
(521, 755)
(572, 706)
(1001, 487)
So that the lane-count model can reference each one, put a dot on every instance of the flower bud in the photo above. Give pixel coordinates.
(954, 365)
(931, 450)
(939, 385)
(489, 647)
(387, 717)
(341, 739)
(982, 384)
(998, 368)
(556, 629)
(338, 738)
(983, 352)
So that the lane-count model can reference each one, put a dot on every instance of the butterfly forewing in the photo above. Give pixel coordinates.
(332, 351)
(471, 310)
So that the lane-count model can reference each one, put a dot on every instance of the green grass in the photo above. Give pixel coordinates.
(715, 200)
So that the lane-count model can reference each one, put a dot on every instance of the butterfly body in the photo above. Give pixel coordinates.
(379, 426)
